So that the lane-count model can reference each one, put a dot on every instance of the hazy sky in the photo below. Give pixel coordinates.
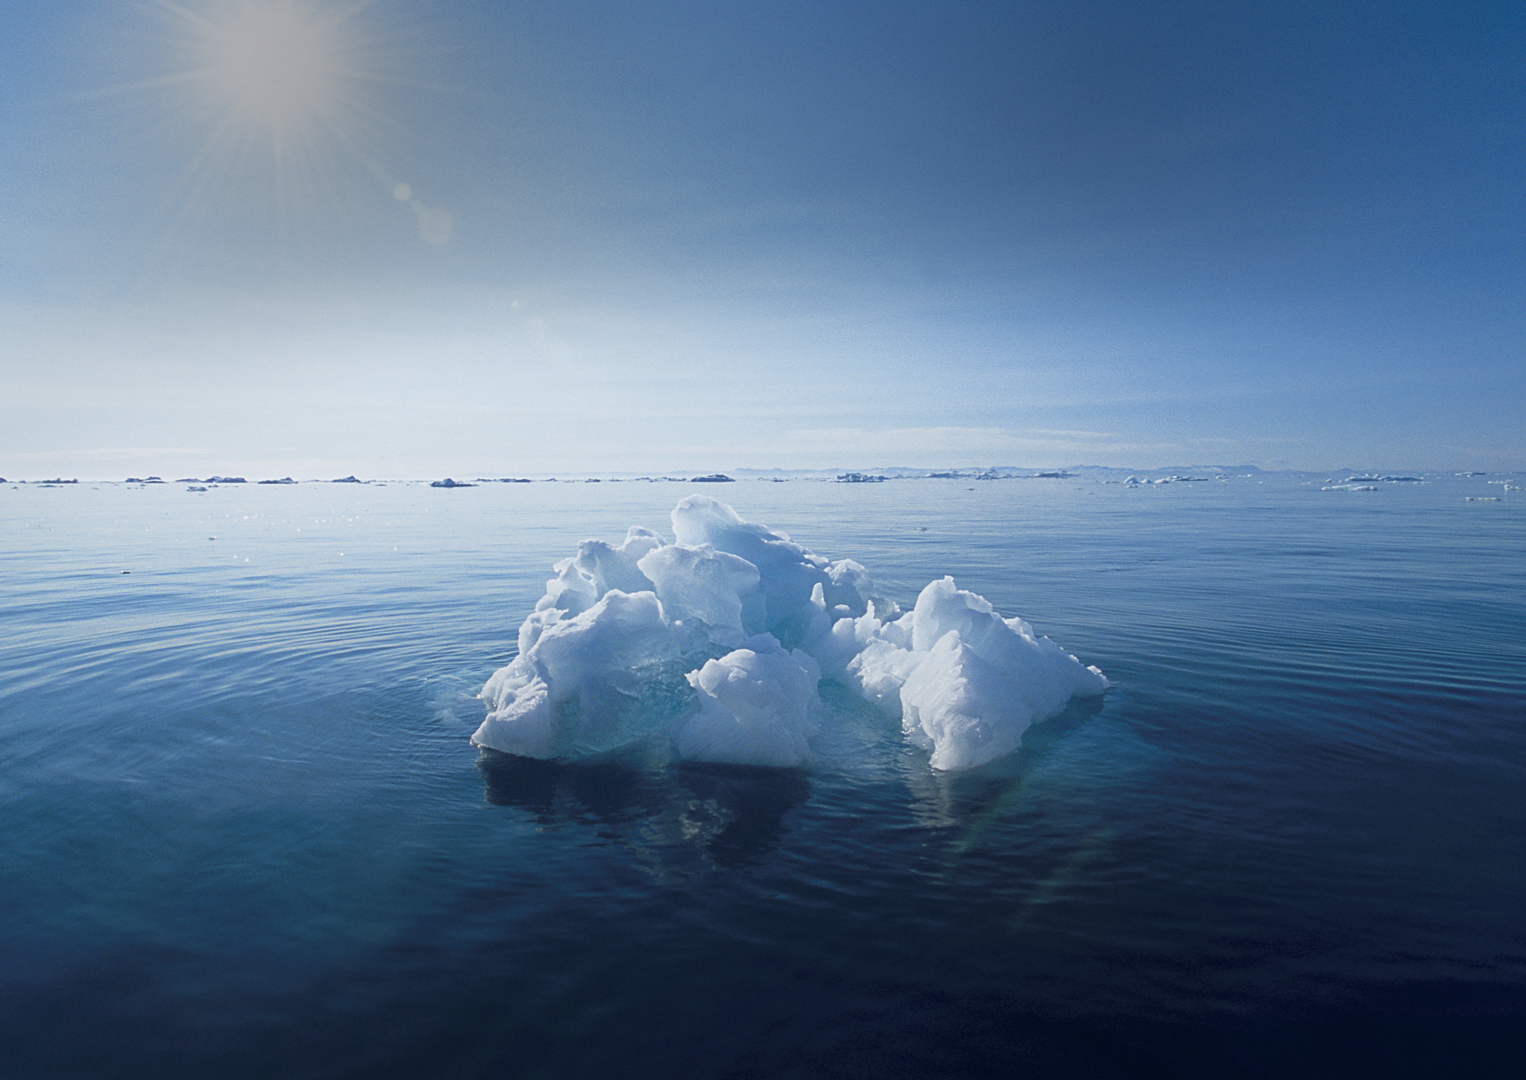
(420, 237)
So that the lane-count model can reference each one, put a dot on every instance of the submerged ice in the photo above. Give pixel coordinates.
(718, 640)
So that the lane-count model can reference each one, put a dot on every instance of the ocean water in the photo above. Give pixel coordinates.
(245, 835)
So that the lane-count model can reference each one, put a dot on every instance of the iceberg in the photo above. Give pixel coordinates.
(718, 641)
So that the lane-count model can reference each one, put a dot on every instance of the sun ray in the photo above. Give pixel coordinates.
(285, 100)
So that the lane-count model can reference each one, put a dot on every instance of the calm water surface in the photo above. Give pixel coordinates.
(245, 834)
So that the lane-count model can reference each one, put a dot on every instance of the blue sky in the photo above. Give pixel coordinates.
(412, 239)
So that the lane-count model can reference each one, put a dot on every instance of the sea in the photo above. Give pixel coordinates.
(243, 831)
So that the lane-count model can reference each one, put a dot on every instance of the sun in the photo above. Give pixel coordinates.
(278, 68)
(284, 106)
(288, 73)
(282, 96)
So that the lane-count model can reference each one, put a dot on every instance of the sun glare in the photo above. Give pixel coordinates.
(292, 74)
(285, 98)
(276, 67)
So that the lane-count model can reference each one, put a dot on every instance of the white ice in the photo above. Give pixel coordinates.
(757, 706)
(717, 642)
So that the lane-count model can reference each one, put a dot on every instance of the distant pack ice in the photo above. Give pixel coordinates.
(718, 641)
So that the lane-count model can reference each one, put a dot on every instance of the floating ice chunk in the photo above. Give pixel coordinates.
(609, 654)
(757, 706)
(590, 683)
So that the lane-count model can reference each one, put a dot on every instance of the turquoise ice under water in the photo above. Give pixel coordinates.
(246, 834)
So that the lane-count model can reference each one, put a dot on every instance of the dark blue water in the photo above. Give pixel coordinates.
(244, 834)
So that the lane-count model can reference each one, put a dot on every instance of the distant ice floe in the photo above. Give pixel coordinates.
(718, 641)
(1368, 482)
